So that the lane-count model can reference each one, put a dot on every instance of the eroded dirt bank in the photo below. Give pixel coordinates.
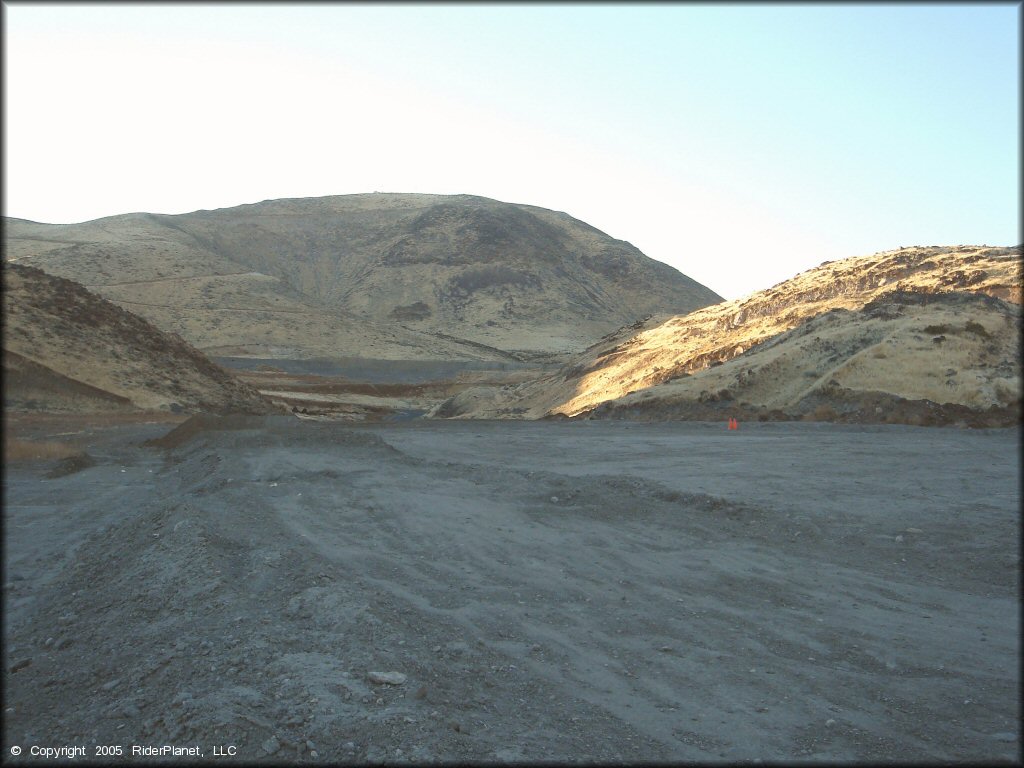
(546, 591)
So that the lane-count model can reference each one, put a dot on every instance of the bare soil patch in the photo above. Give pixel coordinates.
(28, 450)
(521, 592)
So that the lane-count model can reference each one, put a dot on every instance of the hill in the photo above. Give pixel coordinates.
(828, 333)
(66, 349)
(382, 276)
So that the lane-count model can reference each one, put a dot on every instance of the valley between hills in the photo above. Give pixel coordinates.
(369, 307)
(388, 478)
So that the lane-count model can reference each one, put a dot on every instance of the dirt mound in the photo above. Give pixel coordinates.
(29, 450)
(72, 464)
(201, 423)
(68, 458)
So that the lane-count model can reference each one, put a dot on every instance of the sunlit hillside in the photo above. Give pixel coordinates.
(652, 358)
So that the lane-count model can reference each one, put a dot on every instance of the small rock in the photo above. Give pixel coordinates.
(311, 746)
(111, 684)
(554, 499)
(386, 678)
(899, 538)
(20, 665)
(1005, 737)
(271, 745)
(914, 530)
(63, 643)
(350, 746)
(314, 753)
(829, 723)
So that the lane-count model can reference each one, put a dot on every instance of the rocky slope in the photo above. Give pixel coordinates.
(388, 276)
(649, 362)
(66, 349)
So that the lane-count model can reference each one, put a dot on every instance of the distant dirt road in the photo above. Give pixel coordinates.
(545, 591)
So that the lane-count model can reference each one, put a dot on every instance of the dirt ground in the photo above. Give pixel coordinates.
(518, 591)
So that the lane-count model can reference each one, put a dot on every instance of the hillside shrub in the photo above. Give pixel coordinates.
(977, 329)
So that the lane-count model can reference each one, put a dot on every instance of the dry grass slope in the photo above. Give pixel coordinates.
(906, 357)
(386, 276)
(650, 361)
(68, 349)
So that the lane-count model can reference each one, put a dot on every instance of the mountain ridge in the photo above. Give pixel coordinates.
(510, 276)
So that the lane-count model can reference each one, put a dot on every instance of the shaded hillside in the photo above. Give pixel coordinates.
(420, 271)
(66, 349)
(218, 305)
(645, 357)
(29, 386)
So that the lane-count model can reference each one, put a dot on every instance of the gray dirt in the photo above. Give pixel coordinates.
(360, 369)
(546, 591)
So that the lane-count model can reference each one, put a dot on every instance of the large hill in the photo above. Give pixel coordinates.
(386, 276)
(66, 349)
(861, 336)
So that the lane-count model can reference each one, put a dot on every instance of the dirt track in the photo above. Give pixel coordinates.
(550, 591)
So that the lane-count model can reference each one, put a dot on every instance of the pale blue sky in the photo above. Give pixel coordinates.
(740, 143)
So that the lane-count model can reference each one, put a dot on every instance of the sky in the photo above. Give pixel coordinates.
(742, 144)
